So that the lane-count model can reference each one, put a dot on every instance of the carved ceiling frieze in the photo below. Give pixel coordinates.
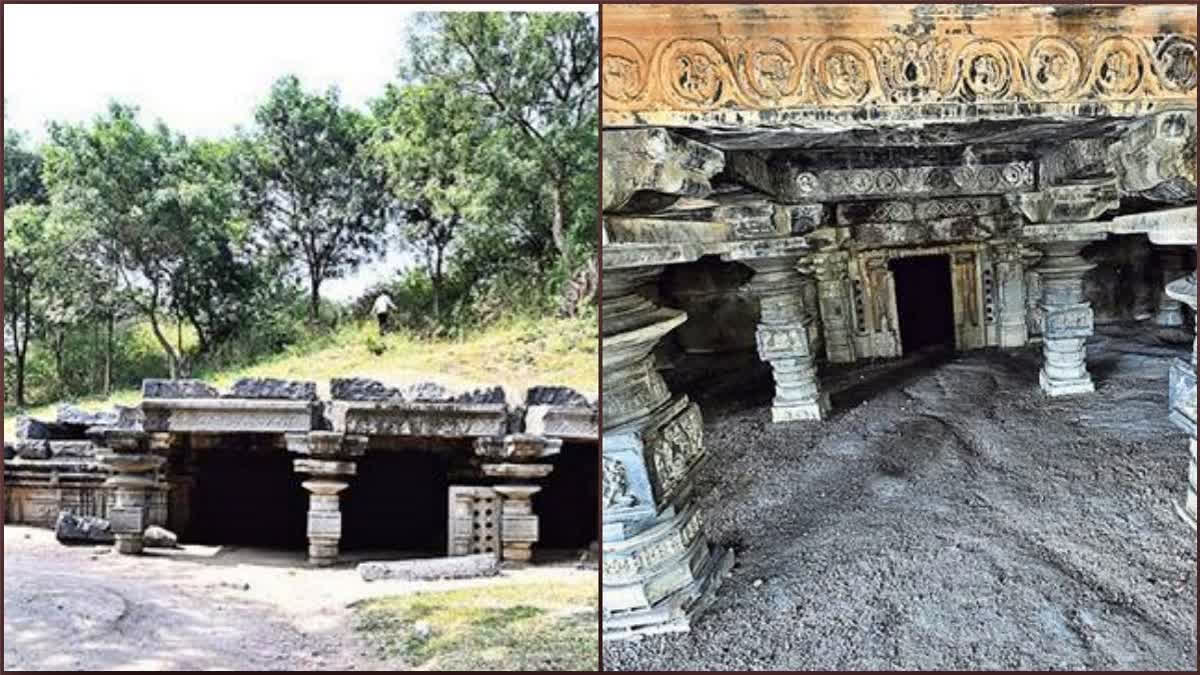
(674, 64)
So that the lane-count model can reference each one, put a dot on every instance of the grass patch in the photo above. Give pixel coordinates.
(545, 626)
(516, 354)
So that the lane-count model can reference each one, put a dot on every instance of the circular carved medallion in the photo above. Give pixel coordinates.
(623, 71)
(1175, 62)
(1117, 67)
(1054, 66)
(694, 72)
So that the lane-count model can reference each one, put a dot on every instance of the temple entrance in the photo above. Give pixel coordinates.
(247, 496)
(924, 301)
(397, 502)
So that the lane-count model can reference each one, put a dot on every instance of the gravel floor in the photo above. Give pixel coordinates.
(948, 516)
(194, 608)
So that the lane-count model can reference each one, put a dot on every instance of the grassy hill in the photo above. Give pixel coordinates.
(515, 354)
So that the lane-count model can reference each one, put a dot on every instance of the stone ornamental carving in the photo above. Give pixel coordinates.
(615, 491)
(715, 59)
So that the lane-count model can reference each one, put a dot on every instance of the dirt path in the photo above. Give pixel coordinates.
(949, 516)
(199, 608)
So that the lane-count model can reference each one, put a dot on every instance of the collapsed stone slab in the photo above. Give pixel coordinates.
(432, 569)
(272, 388)
(556, 396)
(72, 529)
(225, 415)
(162, 388)
(30, 428)
(43, 449)
(366, 389)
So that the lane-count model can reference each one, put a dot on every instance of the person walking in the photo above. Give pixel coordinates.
(383, 305)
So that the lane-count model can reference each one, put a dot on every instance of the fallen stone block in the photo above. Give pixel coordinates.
(270, 387)
(560, 396)
(159, 537)
(70, 415)
(30, 428)
(71, 448)
(365, 389)
(162, 388)
(73, 529)
(33, 449)
(432, 569)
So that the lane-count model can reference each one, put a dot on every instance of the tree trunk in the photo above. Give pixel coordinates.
(314, 309)
(22, 344)
(108, 356)
(172, 357)
(437, 286)
(559, 206)
(60, 337)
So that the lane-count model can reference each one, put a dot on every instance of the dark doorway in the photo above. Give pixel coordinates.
(246, 494)
(924, 301)
(397, 501)
(568, 505)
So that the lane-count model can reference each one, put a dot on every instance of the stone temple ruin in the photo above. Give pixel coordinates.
(829, 184)
(413, 471)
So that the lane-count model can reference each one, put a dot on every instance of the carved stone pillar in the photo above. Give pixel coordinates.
(783, 339)
(518, 524)
(330, 467)
(1011, 327)
(1066, 318)
(659, 569)
(1172, 262)
(514, 458)
(833, 292)
(1183, 396)
(134, 473)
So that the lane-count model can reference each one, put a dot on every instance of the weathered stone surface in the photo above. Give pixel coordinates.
(73, 529)
(432, 569)
(653, 167)
(518, 447)
(365, 389)
(560, 396)
(69, 414)
(159, 537)
(33, 449)
(228, 415)
(71, 448)
(160, 388)
(562, 421)
(28, 427)
(400, 418)
(520, 471)
(272, 388)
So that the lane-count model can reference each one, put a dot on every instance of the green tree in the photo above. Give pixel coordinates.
(27, 250)
(310, 185)
(429, 137)
(538, 73)
(22, 172)
(139, 195)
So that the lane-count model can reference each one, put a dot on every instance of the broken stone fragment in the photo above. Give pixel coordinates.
(432, 569)
(562, 396)
(269, 387)
(28, 427)
(73, 529)
(33, 449)
(365, 389)
(162, 388)
(69, 414)
(647, 169)
(159, 537)
(71, 448)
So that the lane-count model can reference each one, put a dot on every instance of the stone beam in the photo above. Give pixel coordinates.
(446, 420)
(655, 167)
(848, 66)
(228, 415)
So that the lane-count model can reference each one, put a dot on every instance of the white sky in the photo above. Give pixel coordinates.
(200, 68)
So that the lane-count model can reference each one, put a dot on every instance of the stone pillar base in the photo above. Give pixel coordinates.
(128, 544)
(1065, 387)
(793, 412)
(676, 614)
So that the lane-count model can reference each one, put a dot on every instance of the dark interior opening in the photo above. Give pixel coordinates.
(568, 504)
(924, 301)
(248, 496)
(398, 500)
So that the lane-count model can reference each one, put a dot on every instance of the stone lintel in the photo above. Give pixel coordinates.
(523, 471)
(444, 420)
(321, 467)
(572, 423)
(1168, 227)
(1056, 232)
(518, 447)
(326, 444)
(616, 256)
(228, 415)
